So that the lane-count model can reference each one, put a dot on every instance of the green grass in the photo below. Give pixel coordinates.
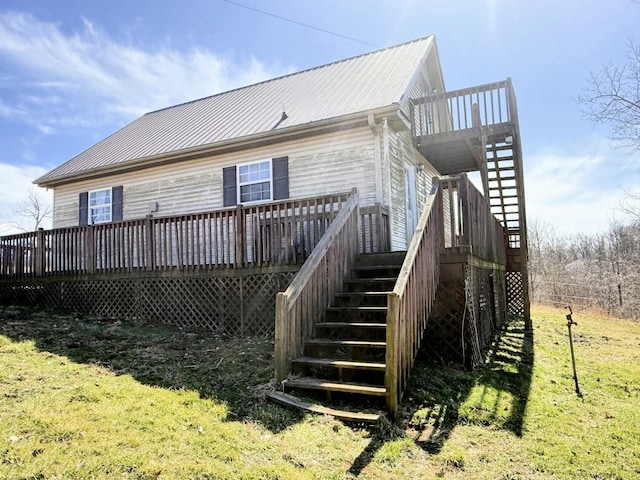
(92, 398)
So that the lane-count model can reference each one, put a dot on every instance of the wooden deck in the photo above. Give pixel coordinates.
(279, 233)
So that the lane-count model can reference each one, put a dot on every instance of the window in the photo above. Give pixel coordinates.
(100, 206)
(254, 182)
(260, 181)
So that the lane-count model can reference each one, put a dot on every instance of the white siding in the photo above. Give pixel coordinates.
(330, 163)
(401, 151)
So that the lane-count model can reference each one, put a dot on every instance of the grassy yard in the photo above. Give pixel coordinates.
(84, 398)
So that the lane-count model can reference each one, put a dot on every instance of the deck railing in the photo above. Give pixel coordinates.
(374, 229)
(305, 301)
(269, 234)
(470, 221)
(410, 302)
(483, 105)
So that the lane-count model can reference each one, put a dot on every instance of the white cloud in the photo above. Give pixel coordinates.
(55, 83)
(102, 79)
(15, 185)
(577, 193)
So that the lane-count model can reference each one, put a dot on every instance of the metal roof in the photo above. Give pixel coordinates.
(358, 84)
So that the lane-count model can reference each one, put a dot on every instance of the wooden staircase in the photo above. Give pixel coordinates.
(345, 358)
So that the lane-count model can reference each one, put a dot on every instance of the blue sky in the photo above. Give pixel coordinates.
(72, 72)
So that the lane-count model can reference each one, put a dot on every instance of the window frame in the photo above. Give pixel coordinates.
(240, 184)
(90, 208)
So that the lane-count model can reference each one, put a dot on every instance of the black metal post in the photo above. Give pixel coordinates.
(570, 322)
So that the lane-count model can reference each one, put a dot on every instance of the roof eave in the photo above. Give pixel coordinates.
(259, 139)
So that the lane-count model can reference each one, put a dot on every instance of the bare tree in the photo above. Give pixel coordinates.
(33, 211)
(631, 206)
(612, 97)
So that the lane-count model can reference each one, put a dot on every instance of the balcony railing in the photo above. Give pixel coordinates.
(481, 106)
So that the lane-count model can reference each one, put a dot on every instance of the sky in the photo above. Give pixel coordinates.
(72, 72)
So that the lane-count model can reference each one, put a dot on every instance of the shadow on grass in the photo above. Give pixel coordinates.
(439, 398)
(232, 371)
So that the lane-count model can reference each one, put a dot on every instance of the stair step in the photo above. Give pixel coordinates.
(361, 294)
(389, 266)
(345, 415)
(335, 363)
(351, 325)
(327, 342)
(344, 387)
(368, 298)
(393, 258)
(371, 280)
(349, 308)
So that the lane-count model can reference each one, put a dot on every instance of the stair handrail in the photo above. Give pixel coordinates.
(304, 302)
(409, 304)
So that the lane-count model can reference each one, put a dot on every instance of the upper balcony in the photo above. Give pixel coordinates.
(452, 129)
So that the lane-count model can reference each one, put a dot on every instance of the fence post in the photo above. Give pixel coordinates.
(281, 337)
(149, 243)
(90, 249)
(391, 358)
(39, 252)
(240, 240)
(380, 240)
(463, 194)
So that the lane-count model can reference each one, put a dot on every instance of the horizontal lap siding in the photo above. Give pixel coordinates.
(401, 151)
(319, 165)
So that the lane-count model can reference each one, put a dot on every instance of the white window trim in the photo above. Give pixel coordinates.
(242, 184)
(90, 209)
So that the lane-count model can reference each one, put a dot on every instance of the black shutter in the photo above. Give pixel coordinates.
(116, 203)
(280, 178)
(229, 190)
(83, 210)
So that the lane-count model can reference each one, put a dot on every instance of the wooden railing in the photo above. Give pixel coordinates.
(483, 105)
(305, 301)
(269, 234)
(410, 302)
(470, 221)
(374, 229)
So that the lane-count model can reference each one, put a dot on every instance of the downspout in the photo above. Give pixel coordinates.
(377, 160)
(387, 161)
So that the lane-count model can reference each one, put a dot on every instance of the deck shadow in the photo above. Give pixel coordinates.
(441, 397)
(233, 371)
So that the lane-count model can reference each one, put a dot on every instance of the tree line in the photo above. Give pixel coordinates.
(596, 271)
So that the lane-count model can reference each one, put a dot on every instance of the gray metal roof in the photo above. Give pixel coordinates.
(357, 84)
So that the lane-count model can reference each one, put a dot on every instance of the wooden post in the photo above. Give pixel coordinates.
(240, 240)
(281, 338)
(39, 252)
(380, 241)
(149, 242)
(463, 193)
(90, 249)
(391, 378)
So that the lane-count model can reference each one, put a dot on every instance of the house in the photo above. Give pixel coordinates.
(323, 130)
(200, 213)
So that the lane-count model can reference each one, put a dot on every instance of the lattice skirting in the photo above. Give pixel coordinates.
(238, 305)
(515, 294)
(465, 316)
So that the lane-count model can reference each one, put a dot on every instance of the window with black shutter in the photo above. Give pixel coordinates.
(100, 206)
(254, 182)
